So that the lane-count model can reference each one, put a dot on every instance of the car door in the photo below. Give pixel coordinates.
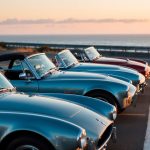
(28, 84)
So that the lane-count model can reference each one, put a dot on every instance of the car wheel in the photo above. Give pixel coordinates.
(106, 98)
(28, 143)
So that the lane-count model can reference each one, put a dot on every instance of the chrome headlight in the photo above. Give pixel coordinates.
(128, 94)
(83, 140)
(114, 115)
(142, 79)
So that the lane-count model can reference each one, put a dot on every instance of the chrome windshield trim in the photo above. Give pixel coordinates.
(87, 54)
(35, 55)
(64, 65)
(31, 68)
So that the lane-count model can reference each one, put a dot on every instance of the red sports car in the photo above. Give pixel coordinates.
(90, 54)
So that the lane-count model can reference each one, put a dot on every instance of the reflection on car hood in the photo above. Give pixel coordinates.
(111, 59)
(39, 105)
(54, 107)
(76, 75)
(103, 68)
(71, 75)
(120, 60)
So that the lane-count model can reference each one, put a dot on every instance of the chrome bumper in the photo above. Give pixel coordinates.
(113, 137)
(142, 87)
(134, 99)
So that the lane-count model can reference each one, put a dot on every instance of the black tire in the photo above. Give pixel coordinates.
(28, 143)
(106, 98)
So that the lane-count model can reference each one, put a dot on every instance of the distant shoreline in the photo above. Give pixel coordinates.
(90, 39)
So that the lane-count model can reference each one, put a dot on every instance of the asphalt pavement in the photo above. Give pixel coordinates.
(132, 124)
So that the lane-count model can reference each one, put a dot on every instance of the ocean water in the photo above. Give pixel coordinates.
(123, 40)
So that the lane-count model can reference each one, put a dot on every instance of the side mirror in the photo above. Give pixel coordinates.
(23, 75)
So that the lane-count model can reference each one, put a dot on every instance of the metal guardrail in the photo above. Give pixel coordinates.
(72, 46)
(125, 51)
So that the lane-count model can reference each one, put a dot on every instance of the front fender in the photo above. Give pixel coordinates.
(61, 134)
(121, 78)
(112, 88)
(139, 60)
(122, 75)
(96, 105)
(118, 90)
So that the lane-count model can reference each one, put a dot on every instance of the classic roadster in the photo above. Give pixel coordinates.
(91, 55)
(66, 61)
(35, 73)
(29, 122)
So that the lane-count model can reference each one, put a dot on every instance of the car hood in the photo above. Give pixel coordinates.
(93, 104)
(75, 75)
(110, 59)
(54, 107)
(120, 60)
(104, 69)
(115, 71)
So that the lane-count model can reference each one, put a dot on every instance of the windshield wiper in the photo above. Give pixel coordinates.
(50, 71)
(71, 65)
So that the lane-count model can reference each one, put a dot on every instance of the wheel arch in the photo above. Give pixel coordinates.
(21, 133)
(94, 91)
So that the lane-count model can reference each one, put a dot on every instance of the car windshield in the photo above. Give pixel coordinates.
(42, 64)
(66, 59)
(5, 84)
(92, 53)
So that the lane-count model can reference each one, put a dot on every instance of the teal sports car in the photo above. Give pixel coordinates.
(66, 61)
(29, 122)
(35, 73)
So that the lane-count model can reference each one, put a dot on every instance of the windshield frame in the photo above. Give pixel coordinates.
(62, 61)
(89, 48)
(33, 69)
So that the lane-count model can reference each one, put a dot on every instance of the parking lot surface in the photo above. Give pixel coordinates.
(132, 124)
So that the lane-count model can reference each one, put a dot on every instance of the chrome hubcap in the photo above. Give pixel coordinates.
(27, 147)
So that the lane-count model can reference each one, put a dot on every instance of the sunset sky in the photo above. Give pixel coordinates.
(74, 17)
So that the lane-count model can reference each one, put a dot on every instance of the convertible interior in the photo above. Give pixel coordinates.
(12, 70)
(13, 74)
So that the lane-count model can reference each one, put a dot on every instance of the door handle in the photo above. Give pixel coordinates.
(28, 81)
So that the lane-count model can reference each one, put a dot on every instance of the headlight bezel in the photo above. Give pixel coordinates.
(114, 115)
(82, 139)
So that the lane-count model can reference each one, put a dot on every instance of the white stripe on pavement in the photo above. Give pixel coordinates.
(147, 137)
(142, 115)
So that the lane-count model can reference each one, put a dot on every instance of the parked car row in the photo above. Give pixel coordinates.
(67, 106)
(67, 61)
(90, 54)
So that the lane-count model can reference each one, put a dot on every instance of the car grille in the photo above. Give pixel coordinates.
(105, 137)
